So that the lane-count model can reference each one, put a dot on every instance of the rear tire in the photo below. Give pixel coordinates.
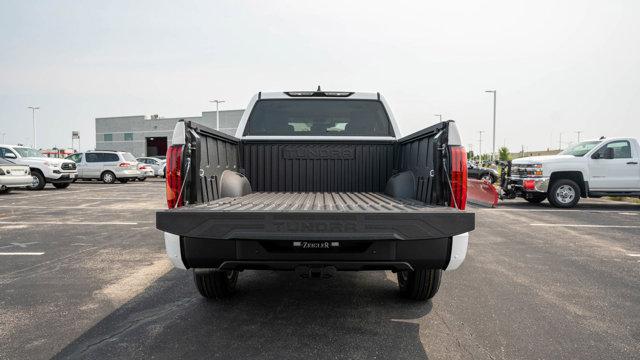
(142, 179)
(564, 193)
(61, 185)
(108, 177)
(38, 181)
(5, 190)
(215, 284)
(420, 284)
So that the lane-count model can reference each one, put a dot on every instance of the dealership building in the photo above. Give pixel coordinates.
(149, 135)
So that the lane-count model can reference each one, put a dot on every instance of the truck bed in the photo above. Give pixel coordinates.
(315, 216)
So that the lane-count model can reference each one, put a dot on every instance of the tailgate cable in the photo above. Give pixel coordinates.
(183, 182)
(444, 165)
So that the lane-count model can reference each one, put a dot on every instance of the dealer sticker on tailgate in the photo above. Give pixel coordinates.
(316, 244)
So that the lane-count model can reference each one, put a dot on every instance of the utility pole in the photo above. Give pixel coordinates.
(578, 132)
(480, 146)
(438, 115)
(3, 137)
(217, 112)
(493, 149)
(33, 118)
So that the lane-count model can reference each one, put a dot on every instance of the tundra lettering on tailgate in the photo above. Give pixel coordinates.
(316, 226)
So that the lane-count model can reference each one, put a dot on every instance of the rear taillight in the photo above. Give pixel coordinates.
(458, 177)
(140, 167)
(124, 164)
(174, 176)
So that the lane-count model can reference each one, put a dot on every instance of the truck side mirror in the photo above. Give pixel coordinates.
(608, 153)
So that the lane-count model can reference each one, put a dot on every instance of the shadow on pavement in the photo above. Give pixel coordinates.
(582, 205)
(274, 315)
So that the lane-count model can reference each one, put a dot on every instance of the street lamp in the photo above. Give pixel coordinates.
(480, 147)
(493, 149)
(217, 112)
(439, 116)
(33, 118)
(3, 137)
(578, 132)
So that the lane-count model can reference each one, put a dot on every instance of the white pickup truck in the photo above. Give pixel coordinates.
(594, 168)
(59, 172)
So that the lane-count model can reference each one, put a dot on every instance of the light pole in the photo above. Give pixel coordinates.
(480, 147)
(3, 137)
(578, 132)
(439, 116)
(560, 142)
(33, 118)
(493, 149)
(217, 112)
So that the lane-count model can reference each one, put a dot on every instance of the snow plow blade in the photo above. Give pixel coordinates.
(480, 192)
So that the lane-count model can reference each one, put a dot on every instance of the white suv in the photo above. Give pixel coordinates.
(59, 172)
(107, 166)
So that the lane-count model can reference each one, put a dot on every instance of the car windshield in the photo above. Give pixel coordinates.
(580, 149)
(28, 152)
(324, 117)
(129, 157)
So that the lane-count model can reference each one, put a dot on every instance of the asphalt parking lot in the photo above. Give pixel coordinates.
(92, 281)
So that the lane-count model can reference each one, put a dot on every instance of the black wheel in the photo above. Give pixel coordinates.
(536, 199)
(564, 193)
(62, 185)
(108, 177)
(124, 181)
(421, 284)
(215, 284)
(74, 180)
(5, 190)
(488, 177)
(142, 179)
(37, 182)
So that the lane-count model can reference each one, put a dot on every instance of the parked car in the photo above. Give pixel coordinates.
(145, 171)
(481, 173)
(107, 166)
(59, 172)
(595, 168)
(158, 165)
(13, 175)
(316, 182)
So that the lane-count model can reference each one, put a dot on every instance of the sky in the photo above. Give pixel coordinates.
(558, 66)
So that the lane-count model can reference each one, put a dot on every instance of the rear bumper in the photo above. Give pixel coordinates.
(397, 255)
(15, 181)
(128, 174)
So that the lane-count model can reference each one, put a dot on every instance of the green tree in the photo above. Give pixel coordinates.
(504, 154)
(470, 155)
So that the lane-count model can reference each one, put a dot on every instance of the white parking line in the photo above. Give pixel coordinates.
(20, 253)
(67, 223)
(563, 210)
(590, 226)
(634, 255)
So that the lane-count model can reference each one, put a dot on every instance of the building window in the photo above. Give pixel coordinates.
(108, 137)
(128, 136)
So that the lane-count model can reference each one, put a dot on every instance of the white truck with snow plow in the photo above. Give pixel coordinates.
(594, 168)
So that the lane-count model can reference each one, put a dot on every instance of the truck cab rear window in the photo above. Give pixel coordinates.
(302, 117)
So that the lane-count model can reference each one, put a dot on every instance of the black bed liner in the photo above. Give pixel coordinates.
(315, 216)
